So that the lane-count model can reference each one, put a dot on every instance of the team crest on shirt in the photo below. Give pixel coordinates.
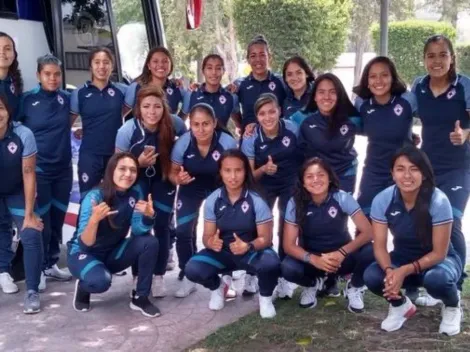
(398, 109)
(132, 202)
(60, 100)
(81, 256)
(222, 99)
(272, 86)
(216, 155)
(333, 212)
(344, 129)
(12, 147)
(451, 93)
(111, 92)
(286, 141)
(169, 91)
(85, 177)
(12, 88)
(179, 204)
(245, 206)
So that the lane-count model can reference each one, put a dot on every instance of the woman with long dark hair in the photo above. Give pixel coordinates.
(237, 235)
(11, 80)
(443, 98)
(316, 237)
(100, 246)
(194, 168)
(17, 199)
(99, 104)
(419, 217)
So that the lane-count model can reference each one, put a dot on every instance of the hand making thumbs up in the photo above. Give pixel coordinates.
(459, 135)
(238, 247)
(215, 243)
(270, 168)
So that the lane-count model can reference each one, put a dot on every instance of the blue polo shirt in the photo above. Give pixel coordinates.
(282, 149)
(249, 90)
(174, 95)
(203, 168)
(47, 115)
(388, 208)
(8, 90)
(101, 115)
(438, 116)
(292, 104)
(325, 226)
(17, 144)
(223, 102)
(241, 218)
(387, 128)
(338, 150)
(109, 236)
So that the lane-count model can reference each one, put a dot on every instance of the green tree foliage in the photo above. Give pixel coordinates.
(463, 58)
(406, 42)
(449, 9)
(315, 29)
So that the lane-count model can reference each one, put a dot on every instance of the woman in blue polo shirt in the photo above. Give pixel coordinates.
(194, 168)
(316, 237)
(443, 98)
(419, 216)
(157, 69)
(17, 194)
(11, 80)
(382, 100)
(329, 130)
(99, 104)
(150, 138)
(237, 235)
(45, 110)
(224, 103)
(273, 156)
(299, 79)
(101, 246)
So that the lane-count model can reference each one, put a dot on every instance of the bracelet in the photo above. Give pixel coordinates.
(388, 267)
(306, 258)
(415, 267)
(343, 252)
(418, 266)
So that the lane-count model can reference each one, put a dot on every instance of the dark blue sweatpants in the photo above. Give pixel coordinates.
(53, 194)
(305, 274)
(91, 169)
(371, 185)
(94, 269)
(12, 207)
(440, 281)
(204, 268)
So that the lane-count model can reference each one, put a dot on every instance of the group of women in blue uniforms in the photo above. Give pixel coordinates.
(135, 174)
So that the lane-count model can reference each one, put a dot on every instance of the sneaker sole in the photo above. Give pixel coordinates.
(248, 293)
(31, 311)
(310, 305)
(56, 278)
(75, 297)
(355, 310)
(159, 296)
(183, 296)
(407, 316)
(136, 308)
(452, 333)
(10, 292)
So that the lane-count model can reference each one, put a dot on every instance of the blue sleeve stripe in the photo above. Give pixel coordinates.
(380, 221)
(442, 222)
(163, 207)
(137, 225)
(86, 210)
(29, 155)
(264, 221)
(291, 222)
(355, 211)
(210, 220)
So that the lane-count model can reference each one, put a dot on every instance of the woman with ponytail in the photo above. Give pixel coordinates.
(419, 217)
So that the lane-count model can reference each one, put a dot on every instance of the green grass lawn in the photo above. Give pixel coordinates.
(331, 327)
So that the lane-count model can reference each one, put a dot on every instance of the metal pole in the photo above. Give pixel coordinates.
(384, 6)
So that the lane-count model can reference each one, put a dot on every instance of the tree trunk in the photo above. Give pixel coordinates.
(361, 44)
(450, 12)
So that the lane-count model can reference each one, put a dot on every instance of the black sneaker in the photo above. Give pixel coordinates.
(144, 305)
(330, 288)
(81, 299)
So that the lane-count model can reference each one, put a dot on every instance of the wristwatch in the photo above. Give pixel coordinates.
(307, 257)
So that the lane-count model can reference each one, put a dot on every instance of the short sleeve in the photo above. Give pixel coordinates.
(28, 140)
(122, 88)
(209, 214)
(177, 154)
(130, 96)
(236, 104)
(74, 105)
(411, 99)
(298, 117)
(346, 201)
(465, 82)
(380, 205)
(414, 86)
(227, 141)
(124, 136)
(262, 212)
(187, 102)
(178, 125)
(440, 209)
(289, 216)
(248, 146)
(293, 127)
(358, 103)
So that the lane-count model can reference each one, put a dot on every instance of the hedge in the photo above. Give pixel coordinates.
(406, 41)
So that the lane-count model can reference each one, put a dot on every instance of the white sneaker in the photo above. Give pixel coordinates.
(426, 300)
(251, 285)
(266, 307)
(186, 287)
(398, 315)
(284, 289)
(308, 297)
(229, 292)
(171, 264)
(7, 284)
(217, 300)
(158, 287)
(42, 282)
(355, 296)
(451, 318)
(57, 274)
(238, 274)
